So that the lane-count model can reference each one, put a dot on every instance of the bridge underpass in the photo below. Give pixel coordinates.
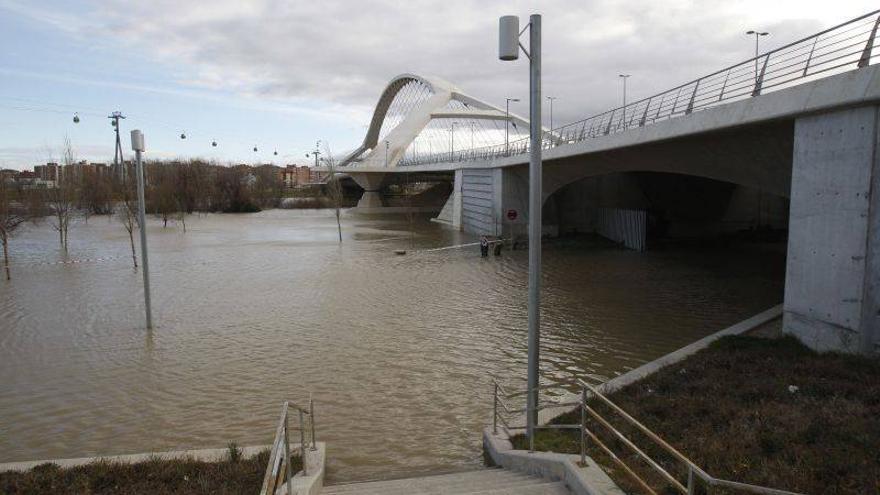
(808, 147)
(640, 210)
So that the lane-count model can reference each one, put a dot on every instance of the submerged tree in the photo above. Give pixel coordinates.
(126, 211)
(334, 188)
(62, 198)
(12, 215)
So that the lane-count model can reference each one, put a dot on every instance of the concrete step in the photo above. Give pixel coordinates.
(483, 475)
(554, 488)
(487, 481)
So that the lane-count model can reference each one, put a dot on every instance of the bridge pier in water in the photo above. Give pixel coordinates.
(372, 185)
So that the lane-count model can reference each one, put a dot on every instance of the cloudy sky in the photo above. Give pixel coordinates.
(280, 75)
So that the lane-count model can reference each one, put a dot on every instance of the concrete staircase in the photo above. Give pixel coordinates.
(483, 482)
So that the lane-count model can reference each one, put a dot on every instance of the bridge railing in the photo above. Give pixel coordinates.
(838, 49)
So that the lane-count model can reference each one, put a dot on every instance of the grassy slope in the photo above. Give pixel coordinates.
(729, 409)
(160, 477)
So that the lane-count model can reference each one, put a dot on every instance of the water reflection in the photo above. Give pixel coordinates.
(397, 350)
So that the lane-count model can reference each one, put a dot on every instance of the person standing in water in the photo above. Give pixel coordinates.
(484, 247)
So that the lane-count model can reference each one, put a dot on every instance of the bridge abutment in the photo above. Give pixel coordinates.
(832, 298)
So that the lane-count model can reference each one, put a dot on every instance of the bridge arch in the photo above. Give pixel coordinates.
(411, 107)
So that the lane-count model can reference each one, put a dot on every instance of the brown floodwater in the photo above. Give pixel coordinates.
(397, 351)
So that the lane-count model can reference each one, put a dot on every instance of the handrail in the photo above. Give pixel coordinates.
(275, 470)
(846, 45)
(693, 468)
(588, 391)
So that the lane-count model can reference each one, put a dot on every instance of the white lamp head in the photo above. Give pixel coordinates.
(137, 140)
(508, 37)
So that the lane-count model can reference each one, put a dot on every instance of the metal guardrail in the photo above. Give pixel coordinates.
(279, 468)
(588, 391)
(840, 48)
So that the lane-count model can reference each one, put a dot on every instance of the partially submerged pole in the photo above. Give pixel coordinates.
(137, 144)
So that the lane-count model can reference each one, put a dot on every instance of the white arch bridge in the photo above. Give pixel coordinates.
(799, 137)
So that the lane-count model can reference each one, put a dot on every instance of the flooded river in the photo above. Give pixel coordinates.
(397, 351)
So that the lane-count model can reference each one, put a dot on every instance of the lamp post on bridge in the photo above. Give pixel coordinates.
(551, 98)
(758, 35)
(508, 49)
(623, 117)
(507, 125)
(452, 141)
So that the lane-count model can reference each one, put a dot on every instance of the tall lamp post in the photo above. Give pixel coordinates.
(452, 141)
(757, 35)
(507, 125)
(137, 144)
(623, 118)
(551, 98)
(508, 49)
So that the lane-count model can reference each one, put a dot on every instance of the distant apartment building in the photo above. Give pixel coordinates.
(293, 175)
(50, 172)
(298, 175)
(315, 176)
(85, 169)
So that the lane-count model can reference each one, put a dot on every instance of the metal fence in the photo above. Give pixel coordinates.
(279, 469)
(838, 49)
(695, 474)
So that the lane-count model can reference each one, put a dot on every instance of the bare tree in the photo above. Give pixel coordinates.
(162, 194)
(12, 215)
(334, 189)
(62, 197)
(126, 212)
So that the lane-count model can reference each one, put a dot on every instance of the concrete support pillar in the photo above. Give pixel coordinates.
(372, 184)
(831, 285)
(456, 200)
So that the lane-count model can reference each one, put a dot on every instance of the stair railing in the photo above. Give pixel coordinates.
(500, 408)
(278, 469)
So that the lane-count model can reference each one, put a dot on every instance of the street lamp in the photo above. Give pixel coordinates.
(452, 141)
(624, 77)
(758, 35)
(551, 98)
(508, 49)
(137, 144)
(507, 125)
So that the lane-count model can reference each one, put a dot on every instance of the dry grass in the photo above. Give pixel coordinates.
(234, 475)
(731, 410)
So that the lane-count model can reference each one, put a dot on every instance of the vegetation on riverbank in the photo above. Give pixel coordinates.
(233, 475)
(761, 411)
